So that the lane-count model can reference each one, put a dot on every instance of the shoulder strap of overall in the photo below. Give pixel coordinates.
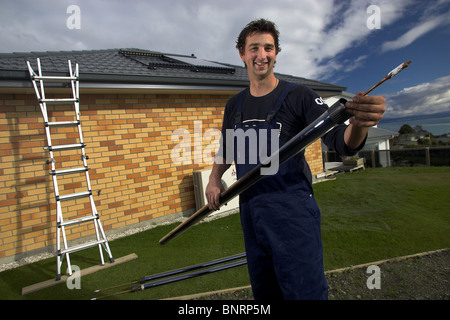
(238, 116)
(271, 115)
(280, 101)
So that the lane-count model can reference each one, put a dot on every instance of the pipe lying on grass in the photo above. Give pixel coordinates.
(144, 285)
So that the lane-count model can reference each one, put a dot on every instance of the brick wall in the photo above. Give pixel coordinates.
(129, 145)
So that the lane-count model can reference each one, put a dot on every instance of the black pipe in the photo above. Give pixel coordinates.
(188, 276)
(175, 272)
(191, 268)
(334, 116)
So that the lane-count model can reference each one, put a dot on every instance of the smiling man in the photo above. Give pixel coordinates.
(279, 215)
(260, 57)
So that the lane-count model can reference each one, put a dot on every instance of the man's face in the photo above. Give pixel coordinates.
(259, 55)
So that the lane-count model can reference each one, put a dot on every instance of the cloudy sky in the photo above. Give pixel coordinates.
(350, 43)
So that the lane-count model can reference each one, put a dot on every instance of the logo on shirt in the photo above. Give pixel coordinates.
(319, 101)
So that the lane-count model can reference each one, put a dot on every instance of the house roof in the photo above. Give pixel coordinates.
(137, 67)
(381, 133)
(378, 134)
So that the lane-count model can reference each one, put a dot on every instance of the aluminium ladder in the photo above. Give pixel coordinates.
(101, 240)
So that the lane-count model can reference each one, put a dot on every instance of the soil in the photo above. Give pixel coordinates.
(418, 278)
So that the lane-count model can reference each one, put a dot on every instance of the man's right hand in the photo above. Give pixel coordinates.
(213, 191)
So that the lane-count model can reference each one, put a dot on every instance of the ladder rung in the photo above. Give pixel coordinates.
(82, 246)
(54, 79)
(69, 171)
(58, 101)
(78, 220)
(66, 147)
(73, 196)
(63, 123)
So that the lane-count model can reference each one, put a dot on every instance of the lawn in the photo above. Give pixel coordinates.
(382, 213)
(366, 216)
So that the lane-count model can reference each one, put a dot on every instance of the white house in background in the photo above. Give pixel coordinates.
(377, 139)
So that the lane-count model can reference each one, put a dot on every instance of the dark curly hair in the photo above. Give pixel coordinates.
(260, 25)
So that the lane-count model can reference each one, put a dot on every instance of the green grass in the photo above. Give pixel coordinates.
(204, 242)
(366, 216)
(381, 213)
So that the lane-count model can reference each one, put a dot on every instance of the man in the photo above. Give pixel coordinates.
(279, 215)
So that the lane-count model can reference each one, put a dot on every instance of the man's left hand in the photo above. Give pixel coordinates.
(367, 111)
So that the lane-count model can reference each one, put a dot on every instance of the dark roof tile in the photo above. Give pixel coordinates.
(137, 66)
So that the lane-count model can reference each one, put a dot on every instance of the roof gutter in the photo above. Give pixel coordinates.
(20, 80)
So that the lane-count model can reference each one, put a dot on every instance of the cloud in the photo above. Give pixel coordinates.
(431, 18)
(321, 40)
(425, 98)
(313, 33)
(415, 33)
(338, 28)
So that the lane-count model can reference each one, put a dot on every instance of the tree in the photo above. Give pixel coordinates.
(406, 129)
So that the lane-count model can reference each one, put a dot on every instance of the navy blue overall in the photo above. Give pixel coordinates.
(281, 224)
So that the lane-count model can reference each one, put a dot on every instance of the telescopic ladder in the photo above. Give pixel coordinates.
(56, 152)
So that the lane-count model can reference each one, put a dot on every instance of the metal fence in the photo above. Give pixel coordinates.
(439, 156)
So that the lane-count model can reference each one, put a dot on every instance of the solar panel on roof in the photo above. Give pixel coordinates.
(202, 65)
(197, 62)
